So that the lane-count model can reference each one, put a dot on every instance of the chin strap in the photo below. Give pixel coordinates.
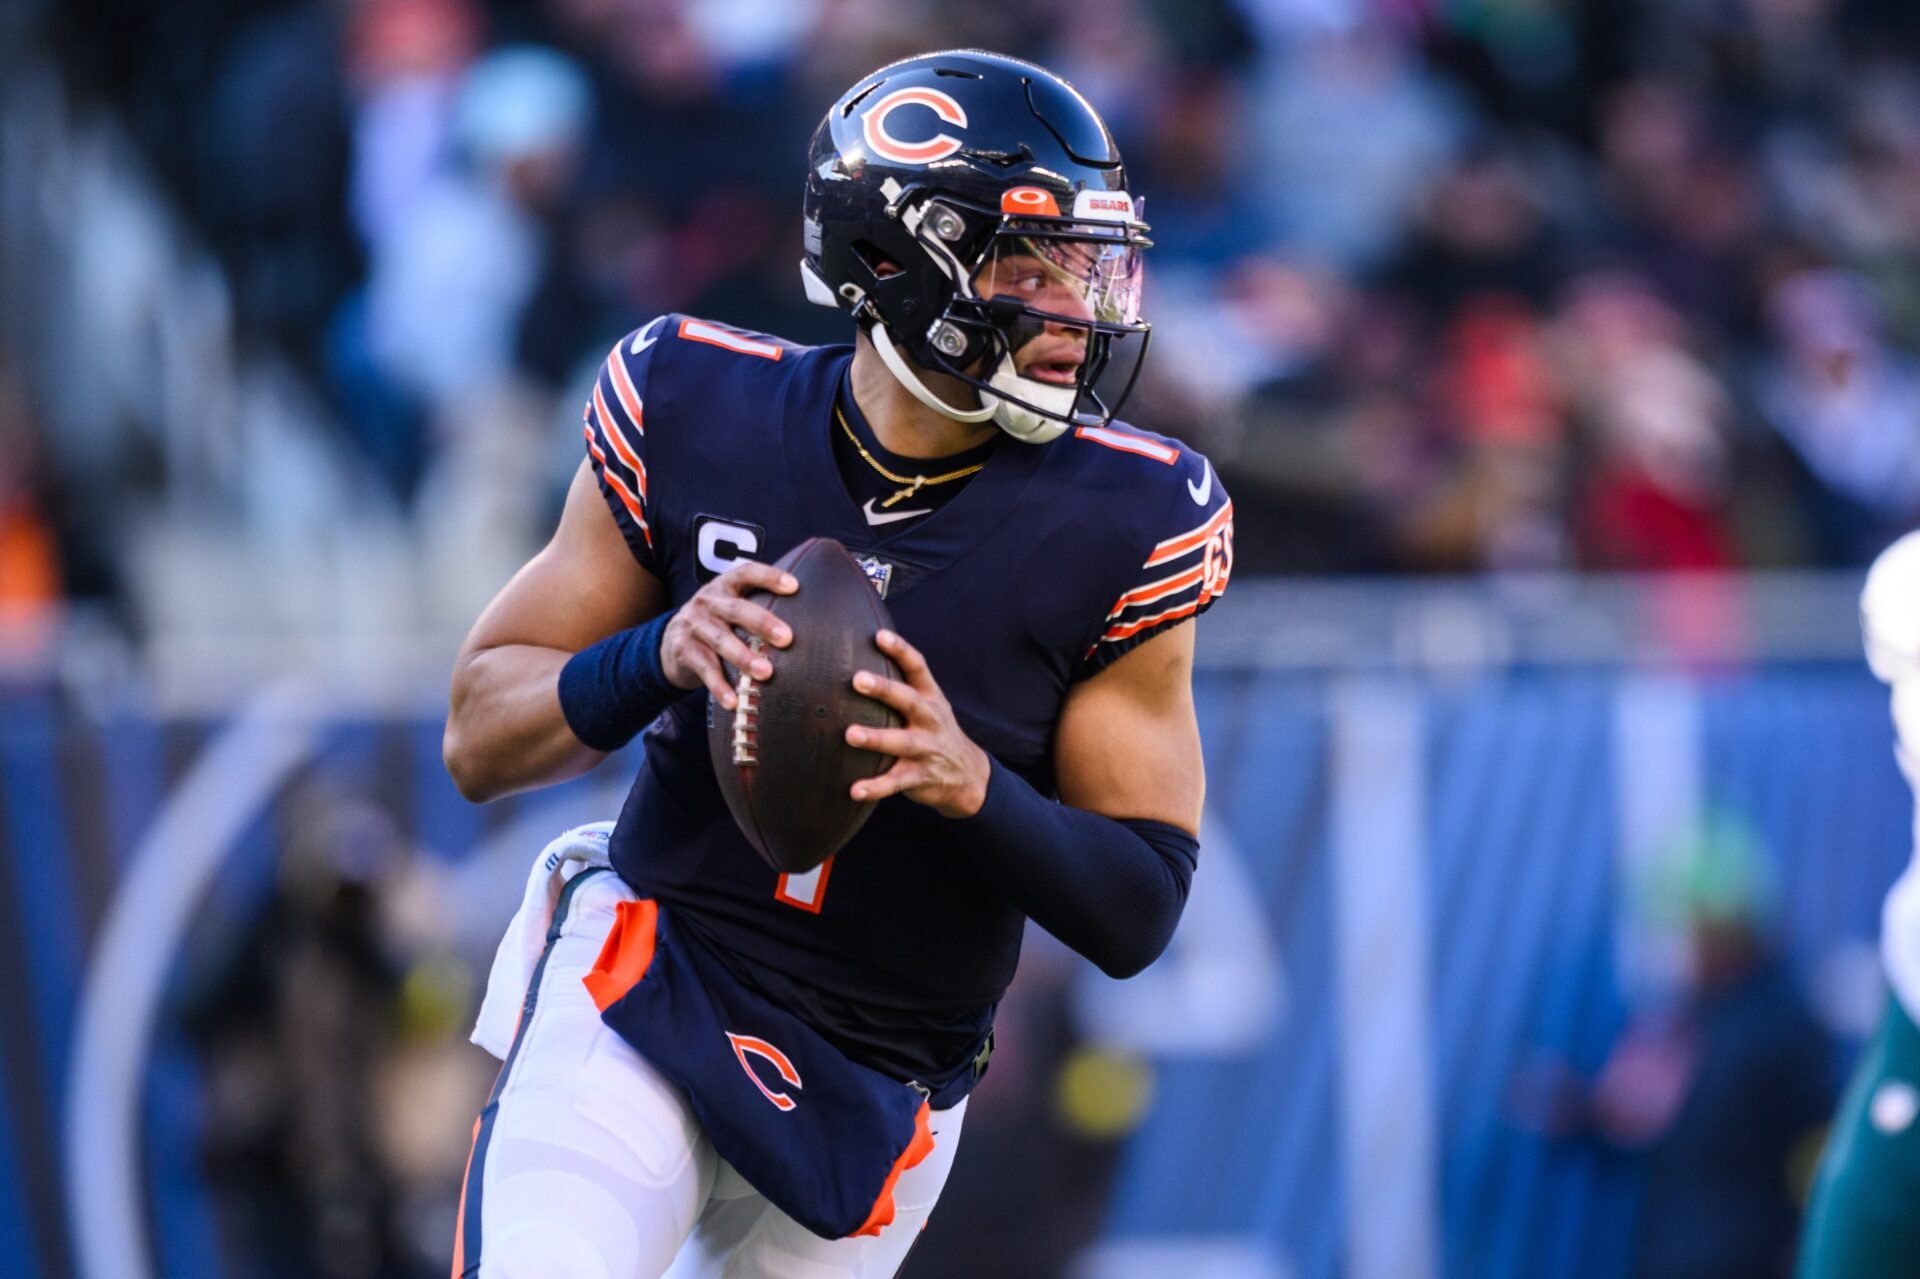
(904, 374)
(1022, 424)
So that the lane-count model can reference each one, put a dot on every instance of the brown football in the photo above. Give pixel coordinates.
(782, 755)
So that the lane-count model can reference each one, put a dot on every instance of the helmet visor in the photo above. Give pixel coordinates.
(1065, 276)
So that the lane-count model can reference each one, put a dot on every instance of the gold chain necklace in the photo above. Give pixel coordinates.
(914, 483)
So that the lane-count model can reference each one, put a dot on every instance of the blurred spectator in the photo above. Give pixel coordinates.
(405, 62)
(1682, 205)
(318, 1028)
(1849, 405)
(1505, 414)
(1721, 1094)
(1479, 230)
(273, 171)
(462, 174)
(452, 274)
(1655, 484)
(1349, 129)
(291, 1030)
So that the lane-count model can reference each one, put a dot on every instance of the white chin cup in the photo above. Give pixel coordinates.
(1023, 423)
(1890, 612)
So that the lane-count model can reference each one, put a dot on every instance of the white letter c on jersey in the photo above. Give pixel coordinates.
(718, 535)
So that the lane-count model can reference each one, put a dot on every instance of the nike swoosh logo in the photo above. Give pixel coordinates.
(888, 517)
(1202, 491)
(641, 341)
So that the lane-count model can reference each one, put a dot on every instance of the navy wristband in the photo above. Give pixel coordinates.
(611, 690)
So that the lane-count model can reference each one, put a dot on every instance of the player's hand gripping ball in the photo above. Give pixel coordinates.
(778, 739)
(935, 762)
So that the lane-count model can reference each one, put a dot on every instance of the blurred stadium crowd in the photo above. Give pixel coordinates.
(1444, 286)
(1480, 285)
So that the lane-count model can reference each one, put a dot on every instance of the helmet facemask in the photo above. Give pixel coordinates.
(1044, 319)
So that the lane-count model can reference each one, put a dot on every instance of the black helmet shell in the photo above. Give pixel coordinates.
(1023, 126)
(977, 133)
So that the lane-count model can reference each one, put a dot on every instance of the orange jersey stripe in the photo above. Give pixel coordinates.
(1207, 594)
(623, 388)
(598, 434)
(1158, 590)
(627, 499)
(1175, 547)
(1134, 628)
(611, 429)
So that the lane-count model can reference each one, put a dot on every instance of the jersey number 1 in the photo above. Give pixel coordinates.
(808, 891)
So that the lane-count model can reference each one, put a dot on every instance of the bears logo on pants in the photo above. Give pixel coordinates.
(744, 1044)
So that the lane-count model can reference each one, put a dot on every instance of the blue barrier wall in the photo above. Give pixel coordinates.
(1521, 833)
(1515, 815)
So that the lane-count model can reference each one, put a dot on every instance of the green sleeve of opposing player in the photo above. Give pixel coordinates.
(1864, 1219)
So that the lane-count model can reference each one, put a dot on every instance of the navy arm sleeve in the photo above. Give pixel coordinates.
(1110, 889)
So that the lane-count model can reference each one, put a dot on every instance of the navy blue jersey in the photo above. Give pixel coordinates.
(714, 445)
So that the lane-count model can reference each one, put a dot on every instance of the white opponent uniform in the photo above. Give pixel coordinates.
(594, 1166)
(1890, 616)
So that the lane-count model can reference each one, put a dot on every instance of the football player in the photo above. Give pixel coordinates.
(1864, 1218)
(721, 1068)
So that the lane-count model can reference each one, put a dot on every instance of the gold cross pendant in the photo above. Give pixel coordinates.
(905, 493)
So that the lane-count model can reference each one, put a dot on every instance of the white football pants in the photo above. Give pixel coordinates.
(594, 1168)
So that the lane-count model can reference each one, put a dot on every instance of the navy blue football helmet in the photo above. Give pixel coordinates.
(972, 212)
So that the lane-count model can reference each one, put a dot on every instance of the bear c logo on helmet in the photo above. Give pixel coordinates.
(881, 142)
